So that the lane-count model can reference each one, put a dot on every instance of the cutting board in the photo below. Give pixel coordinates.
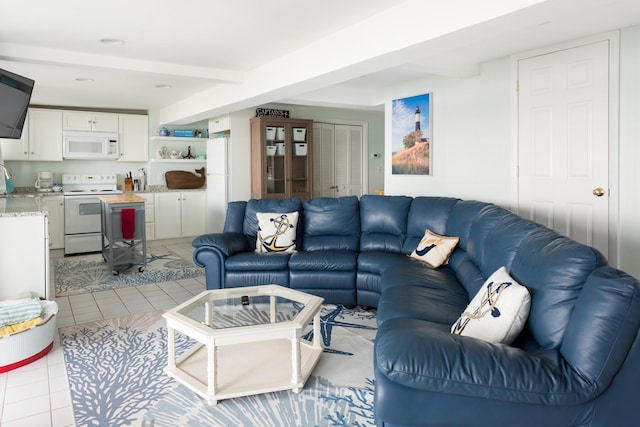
(185, 180)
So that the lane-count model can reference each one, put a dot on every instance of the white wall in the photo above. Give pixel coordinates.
(629, 152)
(472, 145)
(471, 137)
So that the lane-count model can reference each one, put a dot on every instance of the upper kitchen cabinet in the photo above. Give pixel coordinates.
(220, 124)
(281, 158)
(90, 121)
(41, 140)
(134, 137)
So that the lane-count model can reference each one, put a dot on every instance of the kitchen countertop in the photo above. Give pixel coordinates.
(21, 191)
(121, 198)
(12, 206)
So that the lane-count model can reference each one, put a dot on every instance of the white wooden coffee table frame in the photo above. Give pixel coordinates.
(244, 360)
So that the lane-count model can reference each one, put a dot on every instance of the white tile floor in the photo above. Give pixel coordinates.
(37, 395)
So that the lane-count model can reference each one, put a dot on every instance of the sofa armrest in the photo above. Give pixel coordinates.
(426, 356)
(227, 243)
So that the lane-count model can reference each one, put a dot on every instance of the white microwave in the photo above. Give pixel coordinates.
(90, 145)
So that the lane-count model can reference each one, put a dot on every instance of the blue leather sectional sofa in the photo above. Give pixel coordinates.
(576, 363)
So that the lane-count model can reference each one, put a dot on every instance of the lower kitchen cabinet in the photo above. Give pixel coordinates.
(24, 256)
(149, 215)
(54, 205)
(180, 214)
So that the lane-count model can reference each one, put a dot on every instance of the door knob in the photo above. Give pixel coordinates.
(598, 192)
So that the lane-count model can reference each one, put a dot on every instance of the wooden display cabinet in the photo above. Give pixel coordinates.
(281, 158)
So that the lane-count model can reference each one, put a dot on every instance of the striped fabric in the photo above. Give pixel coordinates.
(19, 310)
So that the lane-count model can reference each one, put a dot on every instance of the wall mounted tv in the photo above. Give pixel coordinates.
(15, 94)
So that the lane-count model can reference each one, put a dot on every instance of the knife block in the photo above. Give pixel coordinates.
(128, 184)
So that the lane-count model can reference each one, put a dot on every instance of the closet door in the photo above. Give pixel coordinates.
(348, 160)
(338, 163)
(323, 160)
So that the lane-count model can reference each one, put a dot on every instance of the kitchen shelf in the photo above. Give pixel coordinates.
(177, 161)
(177, 139)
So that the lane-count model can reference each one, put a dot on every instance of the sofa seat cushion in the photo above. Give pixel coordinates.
(378, 261)
(323, 261)
(425, 356)
(416, 273)
(252, 261)
(438, 305)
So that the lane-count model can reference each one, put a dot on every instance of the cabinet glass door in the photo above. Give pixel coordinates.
(276, 165)
(299, 160)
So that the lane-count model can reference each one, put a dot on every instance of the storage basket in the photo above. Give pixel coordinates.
(280, 134)
(31, 344)
(300, 148)
(280, 148)
(271, 150)
(299, 134)
(271, 133)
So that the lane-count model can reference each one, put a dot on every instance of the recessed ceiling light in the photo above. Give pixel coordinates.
(84, 79)
(112, 42)
(162, 86)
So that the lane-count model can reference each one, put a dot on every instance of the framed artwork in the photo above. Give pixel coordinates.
(411, 135)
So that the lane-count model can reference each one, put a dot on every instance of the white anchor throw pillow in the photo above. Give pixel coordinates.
(498, 312)
(276, 232)
(434, 249)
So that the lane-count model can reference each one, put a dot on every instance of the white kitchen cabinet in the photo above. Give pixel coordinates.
(149, 216)
(90, 121)
(24, 256)
(179, 214)
(17, 149)
(219, 124)
(54, 205)
(42, 139)
(134, 137)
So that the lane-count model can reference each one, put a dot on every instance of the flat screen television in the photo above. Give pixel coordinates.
(15, 94)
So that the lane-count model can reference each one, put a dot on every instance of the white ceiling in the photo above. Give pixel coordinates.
(221, 56)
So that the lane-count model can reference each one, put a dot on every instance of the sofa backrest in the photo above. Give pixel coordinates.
(383, 222)
(426, 213)
(554, 268)
(331, 224)
(603, 325)
(250, 220)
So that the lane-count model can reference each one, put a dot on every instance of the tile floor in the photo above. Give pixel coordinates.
(37, 395)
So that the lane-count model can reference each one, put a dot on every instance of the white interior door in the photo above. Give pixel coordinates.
(337, 160)
(563, 142)
(324, 153)
(348, 169)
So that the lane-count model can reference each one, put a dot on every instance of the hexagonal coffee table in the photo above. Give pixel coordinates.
(248, 340)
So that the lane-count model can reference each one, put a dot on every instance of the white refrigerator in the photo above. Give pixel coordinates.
(217, 183)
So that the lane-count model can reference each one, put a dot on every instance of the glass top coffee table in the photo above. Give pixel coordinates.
(248, 340)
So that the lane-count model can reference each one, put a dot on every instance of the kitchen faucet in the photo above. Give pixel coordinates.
(7, 174)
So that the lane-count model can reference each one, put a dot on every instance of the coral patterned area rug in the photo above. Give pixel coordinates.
(91, 273)
(115, 370)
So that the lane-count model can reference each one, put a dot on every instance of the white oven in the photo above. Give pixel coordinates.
(82, 221)
(82, 226)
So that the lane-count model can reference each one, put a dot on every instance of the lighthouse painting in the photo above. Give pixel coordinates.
(411, 135)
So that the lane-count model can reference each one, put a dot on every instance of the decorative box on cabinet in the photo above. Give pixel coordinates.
(281, 158)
